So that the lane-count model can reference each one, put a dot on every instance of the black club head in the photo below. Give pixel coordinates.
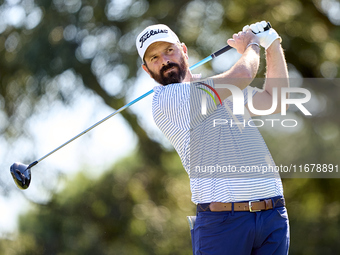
(21, 175)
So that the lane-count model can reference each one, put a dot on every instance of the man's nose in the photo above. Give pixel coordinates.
(165, 60)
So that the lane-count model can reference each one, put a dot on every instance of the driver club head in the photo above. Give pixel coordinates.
(21, 175)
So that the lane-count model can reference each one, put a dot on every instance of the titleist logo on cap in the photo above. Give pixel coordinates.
(150, 33)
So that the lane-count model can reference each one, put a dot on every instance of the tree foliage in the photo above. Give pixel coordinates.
(134, 208)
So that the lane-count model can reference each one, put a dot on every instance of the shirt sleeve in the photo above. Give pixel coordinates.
(181, 105)
(250, 90)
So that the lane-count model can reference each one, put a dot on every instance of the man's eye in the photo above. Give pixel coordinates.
(170, 49)
(153, 58)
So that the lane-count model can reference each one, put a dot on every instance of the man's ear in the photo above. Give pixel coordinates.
(185, 50)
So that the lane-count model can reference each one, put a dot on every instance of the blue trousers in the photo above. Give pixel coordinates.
(241, 233)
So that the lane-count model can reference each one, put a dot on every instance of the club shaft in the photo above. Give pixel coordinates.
(215, 54)
(96, 124)
(203, 61)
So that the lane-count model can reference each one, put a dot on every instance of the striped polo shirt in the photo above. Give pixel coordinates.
(224, 154)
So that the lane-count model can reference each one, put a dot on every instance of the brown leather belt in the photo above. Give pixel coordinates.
(251, 206)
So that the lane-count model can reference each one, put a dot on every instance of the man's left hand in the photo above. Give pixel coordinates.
(266, 37)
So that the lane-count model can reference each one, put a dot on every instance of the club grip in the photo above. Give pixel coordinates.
(227, 47)
(267, 27)
(221, 51)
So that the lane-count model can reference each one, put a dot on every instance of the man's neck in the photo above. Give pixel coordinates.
(188, 76)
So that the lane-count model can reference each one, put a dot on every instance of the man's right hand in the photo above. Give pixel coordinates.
(241, 40)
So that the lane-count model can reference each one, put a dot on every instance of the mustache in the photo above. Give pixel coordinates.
(168, 66)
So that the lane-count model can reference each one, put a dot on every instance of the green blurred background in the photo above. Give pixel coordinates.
(139, 205)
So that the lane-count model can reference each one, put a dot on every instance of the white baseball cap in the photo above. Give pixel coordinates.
(152, 34)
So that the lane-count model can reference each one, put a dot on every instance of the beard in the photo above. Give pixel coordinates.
(176, 75)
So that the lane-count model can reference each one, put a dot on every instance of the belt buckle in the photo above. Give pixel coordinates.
(250, 206)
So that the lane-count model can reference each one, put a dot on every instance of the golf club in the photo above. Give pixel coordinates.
(21, 173)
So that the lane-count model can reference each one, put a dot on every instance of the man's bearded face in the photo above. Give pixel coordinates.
(171, 73)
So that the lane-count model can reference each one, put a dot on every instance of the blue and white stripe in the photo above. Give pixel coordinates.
(177, 112)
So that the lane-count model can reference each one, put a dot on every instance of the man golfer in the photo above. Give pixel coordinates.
(237, 212)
